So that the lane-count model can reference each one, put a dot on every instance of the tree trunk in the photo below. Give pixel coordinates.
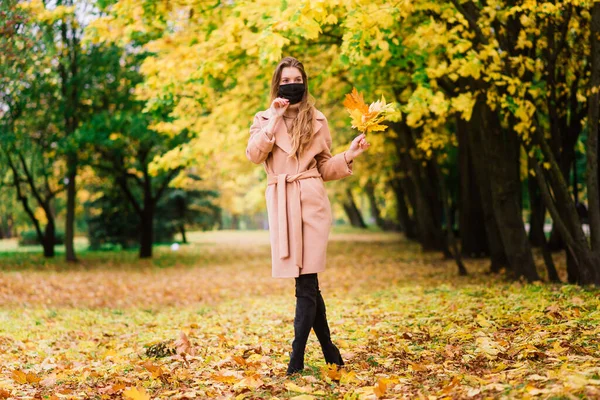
(68, 69)
(352, 211)
(425, 207)
(537, 237)
(407, 224)
(70, 220)
(538, 212)
(370, 192)
(502, 153)
(49, 238)
(481, 169)
(592, 142)
(146, 233)
(473, 236)
(182, 231)
(462, 271)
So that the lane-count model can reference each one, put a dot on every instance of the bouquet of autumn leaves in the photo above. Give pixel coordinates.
(367, 118)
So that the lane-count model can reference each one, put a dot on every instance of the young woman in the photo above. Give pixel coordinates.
(293, 141)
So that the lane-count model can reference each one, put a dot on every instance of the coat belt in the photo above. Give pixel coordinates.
(282, 180)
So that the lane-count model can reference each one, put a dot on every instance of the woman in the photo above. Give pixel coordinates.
(293, 141)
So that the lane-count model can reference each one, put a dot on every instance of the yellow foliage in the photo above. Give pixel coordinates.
(367, 118)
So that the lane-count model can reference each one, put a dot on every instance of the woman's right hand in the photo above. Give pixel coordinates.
(279, 106)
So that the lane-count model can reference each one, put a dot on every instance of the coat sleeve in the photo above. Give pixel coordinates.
(259, 145)
(332, 167)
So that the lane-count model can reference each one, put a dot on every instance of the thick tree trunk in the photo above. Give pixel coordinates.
(146, 232)
(352, 211)
(49, 238)
(481, 168)
(592, 142)
(502, 153)
(473, 236)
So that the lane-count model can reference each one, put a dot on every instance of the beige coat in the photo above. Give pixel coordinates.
(297, 204)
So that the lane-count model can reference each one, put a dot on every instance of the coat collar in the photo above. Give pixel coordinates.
(282, 138)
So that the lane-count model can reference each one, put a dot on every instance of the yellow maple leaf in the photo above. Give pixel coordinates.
(367, 118)
(292, 387)
(303, 397)
(136, 394)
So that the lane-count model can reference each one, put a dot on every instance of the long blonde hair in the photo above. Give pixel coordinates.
(302, 131)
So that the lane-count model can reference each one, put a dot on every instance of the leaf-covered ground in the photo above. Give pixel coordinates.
(407, 326)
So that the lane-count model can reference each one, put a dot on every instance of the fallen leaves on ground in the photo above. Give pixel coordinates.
(220, 327)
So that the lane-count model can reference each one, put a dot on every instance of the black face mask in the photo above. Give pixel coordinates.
(291, 91)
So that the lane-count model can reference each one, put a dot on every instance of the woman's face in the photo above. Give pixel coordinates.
(290, 75)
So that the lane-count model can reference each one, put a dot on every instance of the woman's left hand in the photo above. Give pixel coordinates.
(358, 145)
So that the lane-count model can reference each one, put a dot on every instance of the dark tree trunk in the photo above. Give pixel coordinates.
(146, 233)
(182, 231)
(147, 218)
(407, 224)
(563, 212)
(370, 192)
(462, 271)
(537, 237)
(592, 143)
(68, 69)
(352, 211)
(481, 168)
(538, 212)
(424, 201)
(70, 220)
(502, 153)
(49, 239)
(473, 236)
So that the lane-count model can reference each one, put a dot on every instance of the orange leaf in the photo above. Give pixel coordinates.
(380, 388)
(224, 378)
(332, 372)
(19, 376)
(355, 101)
(239, 360)
(155, 370)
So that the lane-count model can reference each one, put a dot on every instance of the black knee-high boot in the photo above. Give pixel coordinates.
(330, 351)
(306, 308)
